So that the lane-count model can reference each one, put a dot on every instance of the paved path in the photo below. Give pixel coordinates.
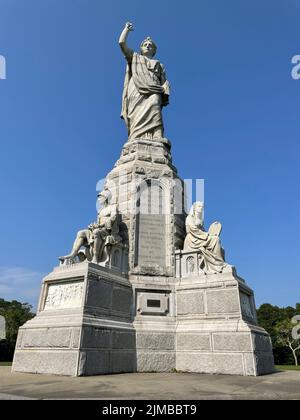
(162, 386)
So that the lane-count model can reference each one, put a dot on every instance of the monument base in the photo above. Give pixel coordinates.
(155, 322)
(83, 325)
(94, 320)
(217, 329)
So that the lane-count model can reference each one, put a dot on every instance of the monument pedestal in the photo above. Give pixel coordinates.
(151, 308)
(217, 329)
(83, 325)
(155, 322)
(93, 320)
(150, 197)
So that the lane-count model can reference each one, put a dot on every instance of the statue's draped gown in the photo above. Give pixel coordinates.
(209, 246)
(144, 97)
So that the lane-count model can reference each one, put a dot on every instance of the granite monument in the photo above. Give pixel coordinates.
(145, 288)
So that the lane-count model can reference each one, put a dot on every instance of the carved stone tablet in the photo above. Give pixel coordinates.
(152, 240)
(246, 305)
(64, 295)
(151, 228)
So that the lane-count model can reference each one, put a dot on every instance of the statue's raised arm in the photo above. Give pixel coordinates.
(146, 90)
(123, 41)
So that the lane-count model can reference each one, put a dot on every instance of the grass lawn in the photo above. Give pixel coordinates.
(287, 367)
(5, 363)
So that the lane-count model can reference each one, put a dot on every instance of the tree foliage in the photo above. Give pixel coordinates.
(15, 314)
(286, 338)
(277, 322)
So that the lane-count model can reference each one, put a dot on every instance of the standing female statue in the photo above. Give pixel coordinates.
(146, 90)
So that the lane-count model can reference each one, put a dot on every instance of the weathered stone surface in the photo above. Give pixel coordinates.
(99, 294)
(262, 342)
(52, 362)
(67, 329)
(94, 337)
(232, 342)
(123, 340)
(231, 363)
(190, 303)
(145, 158)
(193, 341)
(123, 361)
(264, 363)
(94, 363)
(155, 341)
(222, 301)
(250, 364)
(19, 339)
(210, 336)
(76, 337)
(152, 361)
(159, 160)
(47, 338)
(122, 300)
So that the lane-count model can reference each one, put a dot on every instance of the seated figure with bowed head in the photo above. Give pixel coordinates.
(98, 236)
(208, 243)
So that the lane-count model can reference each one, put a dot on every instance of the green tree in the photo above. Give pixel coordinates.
(15, 314)
(286, 338)
(270, 317)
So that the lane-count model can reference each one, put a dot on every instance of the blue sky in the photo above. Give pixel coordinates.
(233, 120)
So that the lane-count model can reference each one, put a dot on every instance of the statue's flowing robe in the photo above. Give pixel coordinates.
(209, 246)
(107, 226)
(143, 96)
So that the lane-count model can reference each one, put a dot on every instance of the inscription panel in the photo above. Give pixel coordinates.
(246, 305)
(64, 295)
(152, 240)
(146, 306)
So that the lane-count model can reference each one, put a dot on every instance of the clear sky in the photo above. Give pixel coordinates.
(233, 120)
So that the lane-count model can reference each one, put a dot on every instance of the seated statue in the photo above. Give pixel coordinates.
(98, 236)
(208, 243)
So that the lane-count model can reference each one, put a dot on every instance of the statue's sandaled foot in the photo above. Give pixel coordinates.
(66, 259)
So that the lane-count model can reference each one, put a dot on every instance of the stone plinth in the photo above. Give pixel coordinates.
(151, 308)
(93, 320)
(217, 329)
(83, 325)
(155, 322)
(150, 199)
